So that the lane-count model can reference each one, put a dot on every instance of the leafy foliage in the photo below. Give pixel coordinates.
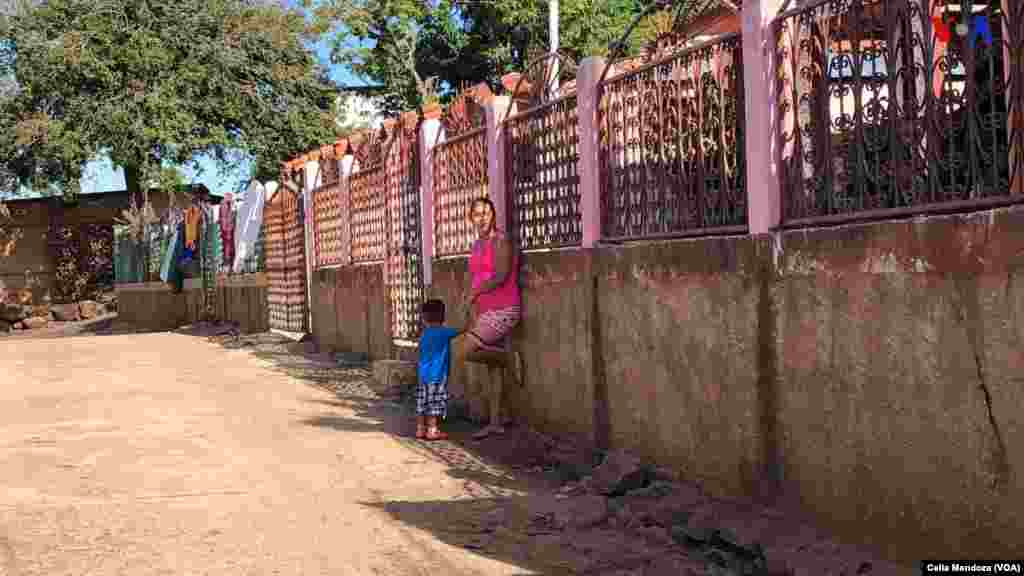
(400, 44)
(153, 84)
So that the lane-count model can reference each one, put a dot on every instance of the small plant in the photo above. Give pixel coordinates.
(428, 92)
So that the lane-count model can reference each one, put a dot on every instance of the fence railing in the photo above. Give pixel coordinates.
(329, 242)
(671, 145)
(368, 213)
(285, 262)
(404, 269)
(543, 182)
(459, 177)
(892, 108)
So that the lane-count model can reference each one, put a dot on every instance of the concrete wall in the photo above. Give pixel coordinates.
(872, 373)
(351, 310)
(556, 335)
(153, 306)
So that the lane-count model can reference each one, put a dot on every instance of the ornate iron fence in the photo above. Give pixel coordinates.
(328, 217)
(671, 142)
(368, 212)
(460, 176)
(404, 271)
(285, 262)
(543, 179)
(899, 107)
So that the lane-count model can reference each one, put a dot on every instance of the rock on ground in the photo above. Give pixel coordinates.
(65, 312)
(88, 309)
(35, 322)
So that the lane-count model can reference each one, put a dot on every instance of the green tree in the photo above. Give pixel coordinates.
(401, 44)
(156, 84)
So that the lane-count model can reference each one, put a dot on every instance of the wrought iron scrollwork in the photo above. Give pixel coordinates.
(898, 107)
(671, 145)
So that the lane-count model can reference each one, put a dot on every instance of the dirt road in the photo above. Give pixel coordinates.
(145, 454)
(166, 454)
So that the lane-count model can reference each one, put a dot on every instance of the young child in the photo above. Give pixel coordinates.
(432, 383)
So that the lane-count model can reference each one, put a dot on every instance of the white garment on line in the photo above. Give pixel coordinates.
(248, 220)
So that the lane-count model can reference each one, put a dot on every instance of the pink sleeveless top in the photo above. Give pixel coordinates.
(482, 268)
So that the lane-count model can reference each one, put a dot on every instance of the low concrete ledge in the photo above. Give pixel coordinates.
(143, 287)
(390, 373)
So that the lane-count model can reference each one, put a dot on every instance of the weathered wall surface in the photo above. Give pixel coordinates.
(153, 306)
(554, 337)
(351, 312)
(873, 373)
(900, 361)
(679, 355)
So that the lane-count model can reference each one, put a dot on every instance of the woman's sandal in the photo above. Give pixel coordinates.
(435, 434)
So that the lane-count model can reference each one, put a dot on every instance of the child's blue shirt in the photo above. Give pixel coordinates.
(433, 360)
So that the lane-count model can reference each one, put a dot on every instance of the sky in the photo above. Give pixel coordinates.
(102, 176)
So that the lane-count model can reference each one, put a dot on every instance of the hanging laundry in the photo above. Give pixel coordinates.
(249, 221)
(979, 27)
(942, 31)
(226, 218)
(175, 276)
(192, 216)
(168, 260)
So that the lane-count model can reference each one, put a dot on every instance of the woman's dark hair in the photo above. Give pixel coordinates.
(487, 202)
(433, 311)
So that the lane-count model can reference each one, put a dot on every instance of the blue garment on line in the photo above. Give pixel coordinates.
(979, 27)
(434, 347)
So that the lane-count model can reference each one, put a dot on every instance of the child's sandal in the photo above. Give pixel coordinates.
(436, 434)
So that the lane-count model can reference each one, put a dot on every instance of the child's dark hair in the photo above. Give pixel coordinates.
(433, 311)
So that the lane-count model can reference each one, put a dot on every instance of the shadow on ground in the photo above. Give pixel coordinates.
(530, 502)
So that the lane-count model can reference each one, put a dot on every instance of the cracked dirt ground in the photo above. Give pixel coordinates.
(164, 453)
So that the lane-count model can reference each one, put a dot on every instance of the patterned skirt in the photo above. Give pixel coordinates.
(432, 398)
(493, 328)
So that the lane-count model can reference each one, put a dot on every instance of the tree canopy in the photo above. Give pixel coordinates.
(153, 84)
(402, 44)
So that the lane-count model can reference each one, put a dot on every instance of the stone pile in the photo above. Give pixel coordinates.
(17, 316)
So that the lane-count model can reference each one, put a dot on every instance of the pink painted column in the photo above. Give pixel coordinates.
(345, 166)
(764, 200)
(497, 159)
(588, 166)
(430, 128)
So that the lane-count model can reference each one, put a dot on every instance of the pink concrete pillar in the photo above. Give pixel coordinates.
(588, 97)
(764, 200)
(429, 130)
(345, 166)
(311, 181)
(497, 158)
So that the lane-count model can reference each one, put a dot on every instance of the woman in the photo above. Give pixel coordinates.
(494, 301)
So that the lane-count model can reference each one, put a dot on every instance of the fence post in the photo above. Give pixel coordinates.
(345, 166)
(309, 182)
(764, 199)
(588, 97)
(430, 128)
(497, 157)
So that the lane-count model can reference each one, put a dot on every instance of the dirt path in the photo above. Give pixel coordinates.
(164, 454)
(169, 454)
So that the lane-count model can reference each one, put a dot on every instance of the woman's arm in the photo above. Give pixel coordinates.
(502, 267)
